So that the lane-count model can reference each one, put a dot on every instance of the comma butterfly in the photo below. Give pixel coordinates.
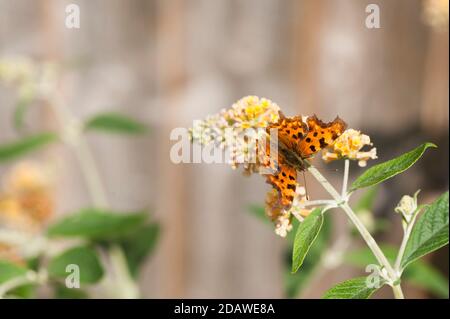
(298, 140)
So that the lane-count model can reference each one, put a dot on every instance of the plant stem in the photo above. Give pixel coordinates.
(90, 173)
(128, 288)
(345, 181)
(401, 251)
(398, 293)
(324, 202)
(370, 241)
(406, 235)
(126, 283)
(30, 277)
(82, 151)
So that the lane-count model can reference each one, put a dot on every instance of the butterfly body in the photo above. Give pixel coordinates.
(298, 140)
(292, 158)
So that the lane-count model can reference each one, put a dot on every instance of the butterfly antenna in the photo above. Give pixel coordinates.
(306, 188)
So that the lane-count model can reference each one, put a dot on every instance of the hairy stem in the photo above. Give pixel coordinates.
(398, 293)
(128, 288)
(401, 251)
(406, 235)
(323, 202)
(96, 189)
(370, 241)
(90, 173)
(345, 180)
(74, 137)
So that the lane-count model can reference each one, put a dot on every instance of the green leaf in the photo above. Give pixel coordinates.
(294, 283)
(97, 224)
(84, 257)
(355, 288)
(9, 271)
(430, 232)
(114, 122)
(307, 232)
(16, 149)
(259, 212)
(139, 245)
(418, 273)
(386, 170)
(290, 238)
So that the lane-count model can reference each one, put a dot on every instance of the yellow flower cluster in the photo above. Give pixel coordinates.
(281, 217)
(248, 112)
(234, 129)
(26, 205)
(252, 112)
(31, 79)
(26, 202)
(349, 146)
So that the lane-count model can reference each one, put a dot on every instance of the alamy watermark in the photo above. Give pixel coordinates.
(73, 279)
(243, 146)
(72, 20)
(373, 17)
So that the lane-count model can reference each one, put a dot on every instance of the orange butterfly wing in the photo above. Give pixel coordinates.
(290, 130)
(306, 139)
(284, 179)
(285, 182)
(319, 135)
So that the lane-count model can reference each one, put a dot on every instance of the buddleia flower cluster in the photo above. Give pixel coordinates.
(281, 217)
(32, 80)
(229, 129)
(349, 146)
(236, 129)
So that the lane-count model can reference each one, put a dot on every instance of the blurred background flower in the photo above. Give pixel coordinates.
(26, 199)
(26, 207)
(436, 13)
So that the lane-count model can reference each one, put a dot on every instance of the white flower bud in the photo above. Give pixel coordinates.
(407, 207)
